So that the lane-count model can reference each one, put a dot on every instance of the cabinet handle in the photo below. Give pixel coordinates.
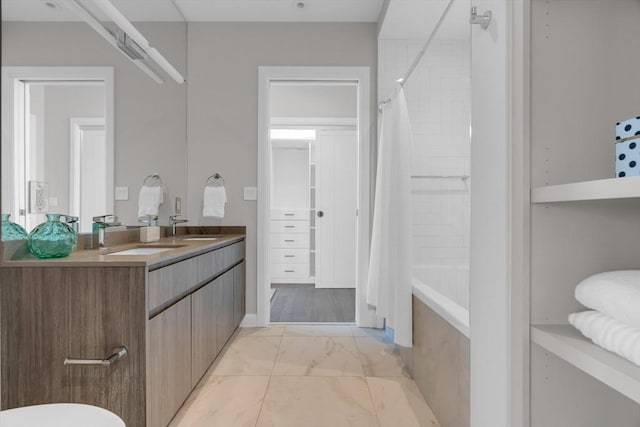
(289, 214)
(289, 256)
(289, 241)
(118, 353)
(289, 226)
(289, 271)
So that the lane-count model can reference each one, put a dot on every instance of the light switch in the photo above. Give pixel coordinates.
(122, 193)
(250, 193)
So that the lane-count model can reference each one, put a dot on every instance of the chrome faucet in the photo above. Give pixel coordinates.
(71, 221)
(173, 220)
(101, 222)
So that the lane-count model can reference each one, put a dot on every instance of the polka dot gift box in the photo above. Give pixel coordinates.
(628, 148)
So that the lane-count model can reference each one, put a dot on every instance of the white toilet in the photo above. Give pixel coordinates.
(59, 415)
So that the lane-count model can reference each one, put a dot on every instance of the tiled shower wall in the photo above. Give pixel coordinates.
(439, 101)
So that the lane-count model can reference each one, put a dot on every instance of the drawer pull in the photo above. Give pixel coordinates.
(289, 226)
(289, 214)
(289, 241)
(289, 256)
(289, 271)
(118, 353)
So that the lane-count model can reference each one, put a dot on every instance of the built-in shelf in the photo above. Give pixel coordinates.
(600, 189)
(570, 345)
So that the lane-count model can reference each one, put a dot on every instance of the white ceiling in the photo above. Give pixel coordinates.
(415, 19)
(206, 10)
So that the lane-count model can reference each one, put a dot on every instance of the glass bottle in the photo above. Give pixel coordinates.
(11, 230)
(52, 239)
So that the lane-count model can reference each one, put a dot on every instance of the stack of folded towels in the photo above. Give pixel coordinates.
(613, 321)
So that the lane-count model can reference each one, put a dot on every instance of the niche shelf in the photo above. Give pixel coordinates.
(570, 345)
(600, 189)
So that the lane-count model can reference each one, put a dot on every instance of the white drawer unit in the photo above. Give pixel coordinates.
(289, 256)
(290, 271)
(289, 226)
(290, 214)
(286, 240)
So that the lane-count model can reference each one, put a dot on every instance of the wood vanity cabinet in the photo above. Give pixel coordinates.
(173, 318)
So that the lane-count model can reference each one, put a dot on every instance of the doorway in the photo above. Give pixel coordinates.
(57, 143)
(313, 181)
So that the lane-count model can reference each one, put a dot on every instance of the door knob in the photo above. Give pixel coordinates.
(320, 214)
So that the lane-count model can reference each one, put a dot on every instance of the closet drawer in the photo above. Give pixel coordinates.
(295, 214)
(288, 226)
(290, 271)
(289, 256)
(286, 240)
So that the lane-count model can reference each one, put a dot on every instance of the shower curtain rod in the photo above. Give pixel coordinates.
(418, 58)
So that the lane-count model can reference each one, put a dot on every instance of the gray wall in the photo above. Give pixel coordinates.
(150, 120)
(223, 102)
(221, 116)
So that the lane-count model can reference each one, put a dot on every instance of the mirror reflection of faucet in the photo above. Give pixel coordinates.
(100, 223)
(71, 221)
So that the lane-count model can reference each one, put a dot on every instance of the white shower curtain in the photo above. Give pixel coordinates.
(389, 286)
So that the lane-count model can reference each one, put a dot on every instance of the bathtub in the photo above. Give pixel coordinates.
(445, 289)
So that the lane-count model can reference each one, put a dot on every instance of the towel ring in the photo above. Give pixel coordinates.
(215, 180)
(152, 180)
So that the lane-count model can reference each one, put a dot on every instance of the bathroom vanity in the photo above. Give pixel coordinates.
(173, 311)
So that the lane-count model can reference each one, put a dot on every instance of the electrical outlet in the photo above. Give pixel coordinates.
(122, 193)
(38, 197)
(250, 193)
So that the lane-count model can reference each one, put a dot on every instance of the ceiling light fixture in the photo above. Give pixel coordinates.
(300, 5)
(121, 21)
(93, 22)
(50, 5)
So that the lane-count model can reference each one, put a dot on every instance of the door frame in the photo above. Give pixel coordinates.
(361, 75)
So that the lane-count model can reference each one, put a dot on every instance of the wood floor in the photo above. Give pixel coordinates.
(305, 303)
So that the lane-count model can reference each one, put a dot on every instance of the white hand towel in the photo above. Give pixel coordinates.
(149, 200)
(214, 199)
(609, 333)
(614, 293)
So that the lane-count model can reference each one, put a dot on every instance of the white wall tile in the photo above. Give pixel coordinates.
(439, 101)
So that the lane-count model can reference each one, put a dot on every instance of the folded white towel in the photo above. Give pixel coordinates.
(614, 293)
(609, 333)
(149, 200)
(214, 199)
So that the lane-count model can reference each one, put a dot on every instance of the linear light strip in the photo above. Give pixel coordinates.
(121, 21)
(91, 20)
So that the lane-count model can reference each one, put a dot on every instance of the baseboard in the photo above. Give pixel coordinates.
(250, 320)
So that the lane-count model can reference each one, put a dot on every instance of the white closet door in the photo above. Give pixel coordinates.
(336, 202)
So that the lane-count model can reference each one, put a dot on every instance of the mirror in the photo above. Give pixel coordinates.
(57, 146)
(151, 117)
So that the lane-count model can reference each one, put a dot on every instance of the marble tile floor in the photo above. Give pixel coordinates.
(306, 376)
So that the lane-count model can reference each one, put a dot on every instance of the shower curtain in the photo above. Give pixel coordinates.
(389, 287)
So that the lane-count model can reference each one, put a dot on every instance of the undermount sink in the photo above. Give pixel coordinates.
(146, 250)
(201, 238)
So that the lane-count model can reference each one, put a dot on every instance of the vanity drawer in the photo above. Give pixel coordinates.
(168, 284)
(286, 240)
(288, 226)
(290, 271)
(289, 256)
(295, 214)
